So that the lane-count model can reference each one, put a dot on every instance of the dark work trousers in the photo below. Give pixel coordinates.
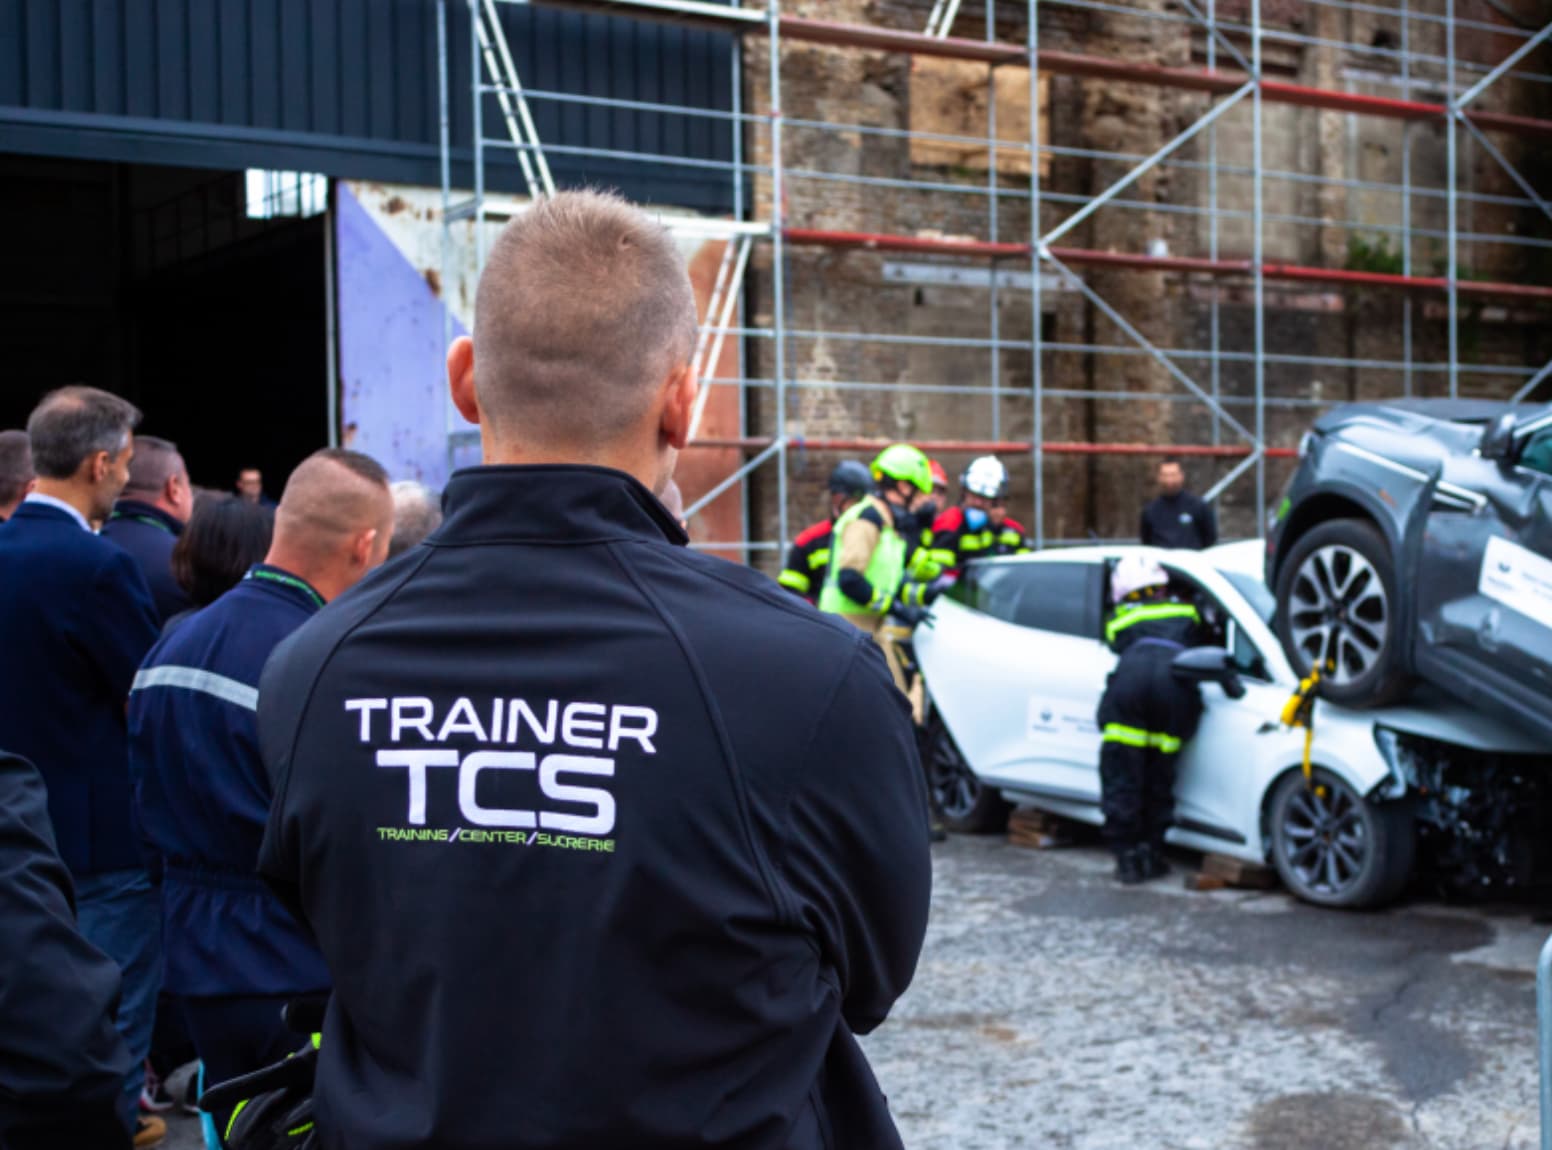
(1145, 717)
(236, 1035)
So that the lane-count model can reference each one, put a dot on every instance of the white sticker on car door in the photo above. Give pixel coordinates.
(1517, 578)
(1053, 717)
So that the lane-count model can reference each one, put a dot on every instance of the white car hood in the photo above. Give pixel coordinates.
(1435, 717)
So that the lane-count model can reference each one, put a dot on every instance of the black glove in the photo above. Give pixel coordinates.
(910, 616)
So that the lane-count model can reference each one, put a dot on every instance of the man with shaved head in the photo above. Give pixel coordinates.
(149, 516)
(234, 955)
(606, 842)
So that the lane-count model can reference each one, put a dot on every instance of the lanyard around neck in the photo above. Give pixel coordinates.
(287, 581)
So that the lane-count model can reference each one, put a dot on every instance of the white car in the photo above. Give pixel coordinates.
(1015, 665)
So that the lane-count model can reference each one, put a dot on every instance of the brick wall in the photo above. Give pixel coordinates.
(833, 296)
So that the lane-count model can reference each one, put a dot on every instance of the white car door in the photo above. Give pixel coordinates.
(1015, 667)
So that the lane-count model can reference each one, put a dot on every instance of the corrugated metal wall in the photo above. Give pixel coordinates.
(346, 87)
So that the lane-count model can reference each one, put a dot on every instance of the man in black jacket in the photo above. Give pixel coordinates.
(149, 516)
(607, 843)
(1177, 518)
(62, 1061)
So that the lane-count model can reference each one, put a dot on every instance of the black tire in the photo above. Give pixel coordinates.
(1332, 847)
(1338, 605)
(963, 802)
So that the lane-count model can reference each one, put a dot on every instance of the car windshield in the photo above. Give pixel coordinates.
(1255, 593)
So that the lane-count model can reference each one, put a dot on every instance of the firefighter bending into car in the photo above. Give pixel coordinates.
(1145, 715)
(979, 526)
(809, 556)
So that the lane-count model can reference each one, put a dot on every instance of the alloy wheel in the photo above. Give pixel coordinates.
(1338, 613)
(955, 788)
(1326, 841)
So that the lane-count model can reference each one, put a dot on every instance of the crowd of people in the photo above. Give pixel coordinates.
(138, 612)
(246, 764)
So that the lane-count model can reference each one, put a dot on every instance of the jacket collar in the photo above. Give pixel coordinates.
(40, 506)
(553, 503)
(148, 513)
(281, 582)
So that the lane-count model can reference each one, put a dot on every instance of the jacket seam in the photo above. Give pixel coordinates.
(283, 785)
(783, 906)
(803, 611)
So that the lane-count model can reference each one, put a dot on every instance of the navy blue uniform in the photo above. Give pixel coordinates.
(149, 534)
(76, 619)
(1146, 716)
(62, 1063)
(607, 843)
(203, 799)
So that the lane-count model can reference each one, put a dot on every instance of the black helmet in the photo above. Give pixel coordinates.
(851, 478)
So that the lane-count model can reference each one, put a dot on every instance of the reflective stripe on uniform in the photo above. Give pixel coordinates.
(972, 543)
(818, 559)
(194, 679)
(1137, 737)
(1132, 614)
(795, 580)
(943, 556)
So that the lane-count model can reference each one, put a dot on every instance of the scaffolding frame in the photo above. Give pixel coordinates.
(1226, 90)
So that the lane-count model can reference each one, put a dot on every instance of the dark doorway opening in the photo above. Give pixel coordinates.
(159, 284)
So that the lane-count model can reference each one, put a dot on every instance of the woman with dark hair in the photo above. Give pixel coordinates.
(225, 536)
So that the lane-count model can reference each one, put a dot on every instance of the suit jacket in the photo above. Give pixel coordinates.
(62, 1061)
(77, 618)
(148, 533)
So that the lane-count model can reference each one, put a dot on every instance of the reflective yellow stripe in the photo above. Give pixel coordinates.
(943, 556)
(232, 1121)
(1137, 737)
(795, 580)
(302, 1129)
(1129, 736)
(819, 559)
(972, 543)
(1132, 614)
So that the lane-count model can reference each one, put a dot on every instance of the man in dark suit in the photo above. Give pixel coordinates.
(149, 517)
(62, 1062)
(77, 618)
(15, 471)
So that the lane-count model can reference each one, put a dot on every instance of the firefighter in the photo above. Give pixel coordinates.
(980, 525)
(871, 544)
(1145, 715)
(809, 556)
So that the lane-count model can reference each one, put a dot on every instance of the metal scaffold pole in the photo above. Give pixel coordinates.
(995, 305)
(1258, 262)
(1215, 319)
(778, 273)
(1451, 159)
(1037, 438)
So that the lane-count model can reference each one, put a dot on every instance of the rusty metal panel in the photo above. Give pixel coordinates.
(349, 88)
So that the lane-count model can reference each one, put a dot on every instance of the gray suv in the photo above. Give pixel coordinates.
(1415, 541)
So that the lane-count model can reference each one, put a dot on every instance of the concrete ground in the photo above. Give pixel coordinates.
(1055, 1009)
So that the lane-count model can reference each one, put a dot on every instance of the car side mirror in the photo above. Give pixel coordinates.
(1498, 439)
(1208, 665)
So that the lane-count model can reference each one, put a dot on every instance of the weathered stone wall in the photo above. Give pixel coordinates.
(834, 296)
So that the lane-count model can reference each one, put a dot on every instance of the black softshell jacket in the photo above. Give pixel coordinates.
(607, 843)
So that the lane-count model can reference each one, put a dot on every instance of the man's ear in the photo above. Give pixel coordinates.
(97, 467)
(679, 406)
(361, 547)
(460, 378)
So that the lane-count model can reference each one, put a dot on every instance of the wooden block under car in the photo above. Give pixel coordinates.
(1205, 882)
(1038, 830)
(1238, 873)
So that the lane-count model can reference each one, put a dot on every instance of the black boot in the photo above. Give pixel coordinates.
(936, 832)
(1129, 866)
(1154, 864)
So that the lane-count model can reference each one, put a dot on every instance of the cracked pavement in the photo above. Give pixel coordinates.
(1053, 1008)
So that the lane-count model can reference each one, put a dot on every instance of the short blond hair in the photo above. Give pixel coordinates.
(584, 307)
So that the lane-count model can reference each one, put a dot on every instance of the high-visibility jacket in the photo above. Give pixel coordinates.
(808, 559)
(1152, 619)
(954, 544)
(885, 569)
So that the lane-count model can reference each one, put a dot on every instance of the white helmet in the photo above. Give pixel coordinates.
(1133, 573)
(986, 477)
